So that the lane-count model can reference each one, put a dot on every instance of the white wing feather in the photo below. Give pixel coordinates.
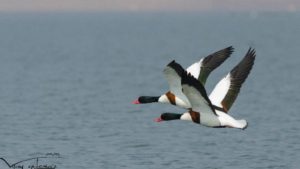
(197, 101)
(220, 91)
(174, 81)
(194, 69)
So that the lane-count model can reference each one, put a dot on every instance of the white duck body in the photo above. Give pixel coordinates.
(228, 121)
(222, 120)
(205, 119)
(202, 111)
(209, 120)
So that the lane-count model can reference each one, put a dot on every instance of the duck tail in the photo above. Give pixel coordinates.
(243, 124)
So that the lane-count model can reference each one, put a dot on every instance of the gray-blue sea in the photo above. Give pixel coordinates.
(67, 81)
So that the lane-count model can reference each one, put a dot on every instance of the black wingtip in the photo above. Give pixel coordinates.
(251, 52)
(229, 50)
(214, 60)
(226, 52)
(249, 58)
(172, 62)
(241, 71)
(177, 67)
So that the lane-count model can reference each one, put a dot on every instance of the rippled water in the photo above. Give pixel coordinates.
(67, 82)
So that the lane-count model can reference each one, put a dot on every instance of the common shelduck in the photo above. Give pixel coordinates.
(212, 112)
(199, 70)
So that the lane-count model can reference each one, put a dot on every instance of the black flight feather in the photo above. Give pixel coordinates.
(188, 79)
(177, 67)
(238, 76)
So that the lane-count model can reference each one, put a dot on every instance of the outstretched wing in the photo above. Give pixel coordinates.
(173, 73)
(196, 94)
(227, 90)
(206, 65)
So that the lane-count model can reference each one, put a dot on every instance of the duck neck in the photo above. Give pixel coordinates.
(170, 116)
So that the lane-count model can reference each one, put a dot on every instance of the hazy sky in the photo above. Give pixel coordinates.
(148, 5)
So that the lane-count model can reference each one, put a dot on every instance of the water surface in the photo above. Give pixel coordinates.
(67, 81)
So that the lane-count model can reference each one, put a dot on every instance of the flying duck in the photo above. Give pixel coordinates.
(212, 111)
(199, 70)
